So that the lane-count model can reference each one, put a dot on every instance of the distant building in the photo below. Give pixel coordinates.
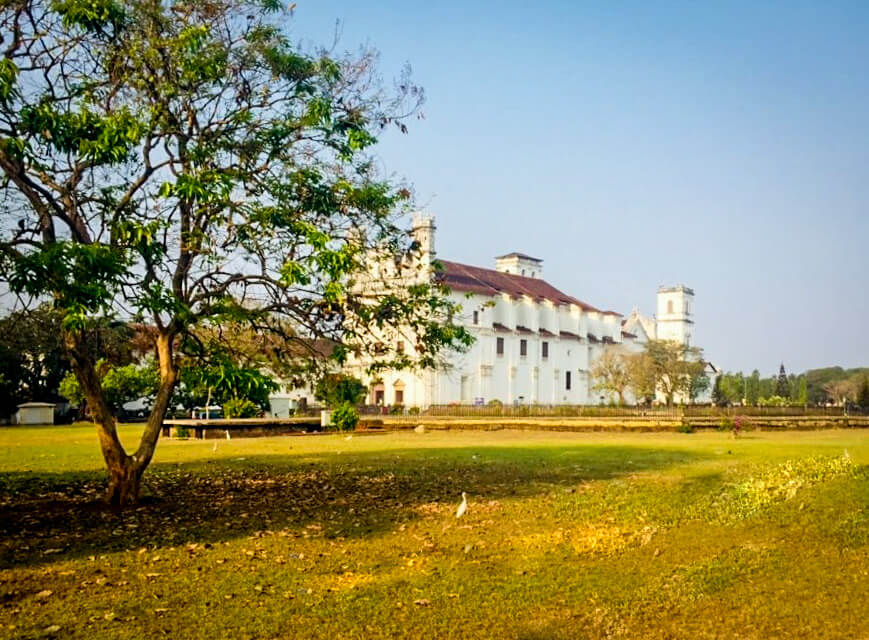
(534, 343)
(35, 413)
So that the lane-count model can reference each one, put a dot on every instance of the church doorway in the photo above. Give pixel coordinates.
(378, 394)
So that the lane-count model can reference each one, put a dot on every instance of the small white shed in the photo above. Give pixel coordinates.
(35, 413)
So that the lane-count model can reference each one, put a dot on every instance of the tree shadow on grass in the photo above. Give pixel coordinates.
(50, 517)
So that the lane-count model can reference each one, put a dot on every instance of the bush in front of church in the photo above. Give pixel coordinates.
(345, 417)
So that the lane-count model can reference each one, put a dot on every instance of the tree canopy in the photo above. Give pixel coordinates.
(183, 164)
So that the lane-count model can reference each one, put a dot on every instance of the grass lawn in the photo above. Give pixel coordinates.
(566, 536)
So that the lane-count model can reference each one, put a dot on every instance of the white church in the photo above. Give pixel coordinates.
(534, 344)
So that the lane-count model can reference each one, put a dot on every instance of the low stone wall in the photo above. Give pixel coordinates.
(239, 427)
(259, 427)
(649, 424)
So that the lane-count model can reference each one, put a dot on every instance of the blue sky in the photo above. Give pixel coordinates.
(631, 144)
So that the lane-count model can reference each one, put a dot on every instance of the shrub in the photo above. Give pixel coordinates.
(396, 409)
(685, 428)
(345, 417)
(181, 431)
(726, 424)
(240, 408)
(414, 411)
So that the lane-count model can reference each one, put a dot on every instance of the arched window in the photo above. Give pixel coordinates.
(669, 306)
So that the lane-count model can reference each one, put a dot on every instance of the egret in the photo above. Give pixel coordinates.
(350, 437)
(462, 507)
(227, 433)
(214, 448)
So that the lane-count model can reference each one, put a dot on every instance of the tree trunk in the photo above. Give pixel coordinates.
(125, 471)
(125, 480)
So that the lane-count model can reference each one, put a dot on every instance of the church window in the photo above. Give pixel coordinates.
(523, 272)
(476, 317)
(545, 352)
(399, 396)
(567, 380)
(523, 348)
(499, 346)
(669, 306)
(400, 346)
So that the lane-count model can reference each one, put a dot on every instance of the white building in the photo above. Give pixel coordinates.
(673, 321)
(534, 344)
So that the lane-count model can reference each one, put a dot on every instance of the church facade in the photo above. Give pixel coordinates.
(534, 344)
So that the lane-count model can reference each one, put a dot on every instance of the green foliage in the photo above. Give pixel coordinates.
(120, 384)
(345, 417)
(719, 399)
(863, 393)
(685, 428)
(676, 368)
(222, 379)
(240, 408)
(782, 387)
(752, 388)
(335, 389)
(773, 401)
(183, 164)
(32, 357)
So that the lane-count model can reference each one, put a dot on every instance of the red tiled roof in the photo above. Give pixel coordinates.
(626, 334)
(613, 313)
(488, 282)
(522, 329)
(545, 332)
(497, 326)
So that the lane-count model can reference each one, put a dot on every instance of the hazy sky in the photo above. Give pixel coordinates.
(633, 144)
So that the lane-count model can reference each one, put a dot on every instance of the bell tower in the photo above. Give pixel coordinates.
(423, 232)
(675, 314)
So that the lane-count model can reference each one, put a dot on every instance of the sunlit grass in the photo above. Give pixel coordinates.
(566, 535)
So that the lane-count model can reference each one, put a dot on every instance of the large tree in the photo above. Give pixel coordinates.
(181, 164)
(677, 368)
(611, 374)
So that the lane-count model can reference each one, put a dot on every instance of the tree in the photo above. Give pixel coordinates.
(719, 399)
(223, 380)
(733, 387)
(611, 374)
(120, 384)
(840, 391)
(335, 389)
(782, 388)
(863, 393)
(675, 366)
(32, 357)
(803, 392)
(183, 164)
(752, 388)
(699, 381)
(641, 376)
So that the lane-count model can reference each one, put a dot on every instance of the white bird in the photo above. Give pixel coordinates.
(349, 437)
(214, 448)
(227, 433)
(462, 507)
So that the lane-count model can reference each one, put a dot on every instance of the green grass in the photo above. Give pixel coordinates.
(566, 536)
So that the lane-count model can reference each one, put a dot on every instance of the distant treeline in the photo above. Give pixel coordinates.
(816, 386)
